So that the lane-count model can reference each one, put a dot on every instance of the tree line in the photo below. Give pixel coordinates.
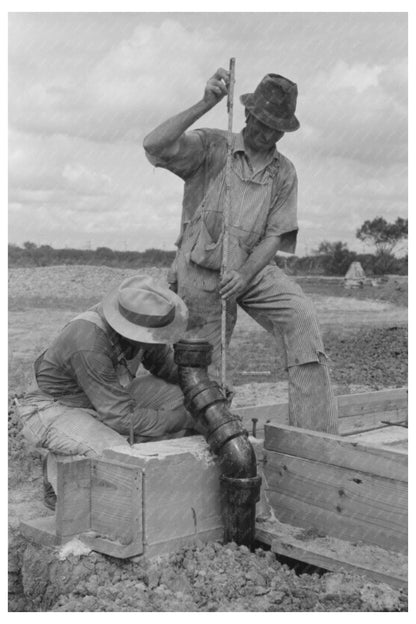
(330, 258)
(31, 254)
(334, 258)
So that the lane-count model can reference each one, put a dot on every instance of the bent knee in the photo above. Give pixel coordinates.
(303, 313)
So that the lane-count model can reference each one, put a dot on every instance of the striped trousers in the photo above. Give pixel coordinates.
(77, 432)
(281, 308)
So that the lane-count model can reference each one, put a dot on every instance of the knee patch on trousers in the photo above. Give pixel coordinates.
(317, 357)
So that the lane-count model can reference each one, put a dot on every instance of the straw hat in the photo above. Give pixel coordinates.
(144, 310)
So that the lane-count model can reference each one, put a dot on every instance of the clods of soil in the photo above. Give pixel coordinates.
(202, 577)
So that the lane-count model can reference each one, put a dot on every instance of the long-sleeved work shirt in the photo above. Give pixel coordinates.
(82, 369)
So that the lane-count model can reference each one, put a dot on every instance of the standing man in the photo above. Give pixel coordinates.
(263, 220)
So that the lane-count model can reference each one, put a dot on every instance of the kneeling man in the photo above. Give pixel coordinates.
(87, 396)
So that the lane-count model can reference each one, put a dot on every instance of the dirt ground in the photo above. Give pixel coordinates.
(365, 335)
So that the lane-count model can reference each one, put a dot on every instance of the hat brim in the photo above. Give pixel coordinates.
(153, 335)
(284, 124)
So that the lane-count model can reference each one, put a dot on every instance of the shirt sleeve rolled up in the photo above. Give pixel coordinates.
(186, 161)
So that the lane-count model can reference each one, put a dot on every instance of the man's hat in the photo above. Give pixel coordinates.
(144, 310)
(274, 103)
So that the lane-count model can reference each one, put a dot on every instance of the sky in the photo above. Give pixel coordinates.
(85, 89)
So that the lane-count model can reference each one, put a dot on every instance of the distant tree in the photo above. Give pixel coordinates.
(29, 245)
(384, 236)
(16, 255)
(335, 257)
(44, 255)
(331, 249)
(105, 255)
(104, 252)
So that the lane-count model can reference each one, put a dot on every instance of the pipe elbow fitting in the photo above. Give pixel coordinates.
(226, 438)
(204, 399)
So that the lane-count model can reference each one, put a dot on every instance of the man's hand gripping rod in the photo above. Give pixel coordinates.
(226, 222)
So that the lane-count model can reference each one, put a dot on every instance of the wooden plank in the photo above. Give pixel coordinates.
(388, 437)
(73, 496)
(334, 554)
(41, 531)
(365, 402)
(116, 501)
(355, 411)
(364, 422)
(341, 502)
(112, 547)
(346, 527)
(348, 405)
(335, 450)
(350, 425)
(181, 491)
(162, 548)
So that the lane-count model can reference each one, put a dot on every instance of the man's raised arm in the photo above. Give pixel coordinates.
(167, 139)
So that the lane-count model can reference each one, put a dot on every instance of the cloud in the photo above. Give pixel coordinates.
(134, 82)
(337, 195)
(358, 112)
(86, 88)
(83, 180)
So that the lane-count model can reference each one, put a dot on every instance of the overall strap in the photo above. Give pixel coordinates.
(94, 317)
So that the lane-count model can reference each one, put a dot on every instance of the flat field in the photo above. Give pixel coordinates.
(365, 330)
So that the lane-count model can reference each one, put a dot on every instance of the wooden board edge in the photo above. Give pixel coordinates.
(333, 564)
(361, 398)
(285, 438)
(117, 463)
(109, 547)
(133, 502)
(343, 399)
(162, 548)
(337, 492)
(289, 547)
(73, 472)
(41, 531)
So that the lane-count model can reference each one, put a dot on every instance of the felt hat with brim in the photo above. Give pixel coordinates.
(274, 103)
(144, 310)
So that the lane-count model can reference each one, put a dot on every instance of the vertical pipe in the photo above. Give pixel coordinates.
(240, 485)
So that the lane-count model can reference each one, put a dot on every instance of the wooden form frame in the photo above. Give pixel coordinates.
(333, 554)
(340, 502)
(147, 499)
(313, 482)
(100, 503)
(358, 413)
(337, 487)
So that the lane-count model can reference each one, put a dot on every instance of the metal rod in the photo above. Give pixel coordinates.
(131, 431)
(226, 221)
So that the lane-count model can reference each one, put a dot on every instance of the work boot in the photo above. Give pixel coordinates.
(49, 496)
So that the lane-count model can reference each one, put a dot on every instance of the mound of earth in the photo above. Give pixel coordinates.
(374, 357)
(202, 577)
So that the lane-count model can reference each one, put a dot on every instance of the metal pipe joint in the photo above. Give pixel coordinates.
(226, 438)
